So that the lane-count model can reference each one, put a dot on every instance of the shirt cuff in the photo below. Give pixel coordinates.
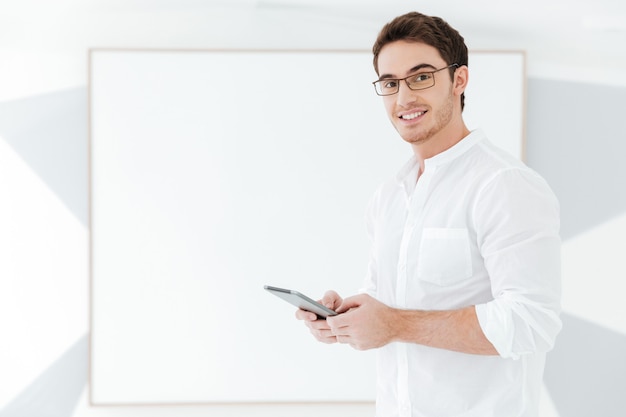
(498, 328)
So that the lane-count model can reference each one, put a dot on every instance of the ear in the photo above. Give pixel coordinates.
(461, 78)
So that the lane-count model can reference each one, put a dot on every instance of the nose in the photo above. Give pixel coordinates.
(404, 95)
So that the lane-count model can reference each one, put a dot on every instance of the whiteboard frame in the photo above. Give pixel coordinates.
(94, 329)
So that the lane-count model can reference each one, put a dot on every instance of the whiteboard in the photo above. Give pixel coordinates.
(213, 173)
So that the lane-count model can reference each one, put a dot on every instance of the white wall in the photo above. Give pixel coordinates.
(43, 268)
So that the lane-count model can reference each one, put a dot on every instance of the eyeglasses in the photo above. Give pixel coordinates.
(419, 81)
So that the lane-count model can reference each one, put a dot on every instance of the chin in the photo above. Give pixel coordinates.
(415, 139)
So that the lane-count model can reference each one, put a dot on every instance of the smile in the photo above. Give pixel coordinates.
(412, 116)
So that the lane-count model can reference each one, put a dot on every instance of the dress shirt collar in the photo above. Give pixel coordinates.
(407, 176)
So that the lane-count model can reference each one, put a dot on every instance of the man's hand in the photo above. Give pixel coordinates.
(319, 328)
(363, 323)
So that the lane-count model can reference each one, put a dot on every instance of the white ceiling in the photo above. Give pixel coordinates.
(564, 39)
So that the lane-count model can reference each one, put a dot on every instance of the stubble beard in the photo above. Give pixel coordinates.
(442, 119)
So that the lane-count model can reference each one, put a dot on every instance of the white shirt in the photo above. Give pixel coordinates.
(478, 228)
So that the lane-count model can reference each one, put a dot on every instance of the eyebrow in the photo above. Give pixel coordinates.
(412, 70)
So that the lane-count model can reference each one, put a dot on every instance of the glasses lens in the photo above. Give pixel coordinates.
(420, 81)
(386, 87)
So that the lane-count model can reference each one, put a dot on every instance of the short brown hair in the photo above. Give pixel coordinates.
(433, 31)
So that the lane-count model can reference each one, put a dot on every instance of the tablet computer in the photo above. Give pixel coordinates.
(301, 301)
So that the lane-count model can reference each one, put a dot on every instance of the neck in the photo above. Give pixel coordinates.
(439, 143)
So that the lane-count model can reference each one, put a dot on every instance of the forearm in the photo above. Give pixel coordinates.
(366, 323)
(457, 330)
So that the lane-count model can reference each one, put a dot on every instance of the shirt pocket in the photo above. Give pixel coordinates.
(444, 256)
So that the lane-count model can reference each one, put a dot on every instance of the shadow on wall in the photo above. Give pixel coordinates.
(50, 133)
(586, 372)
(580, 153)
(577, 142)
(57, 390)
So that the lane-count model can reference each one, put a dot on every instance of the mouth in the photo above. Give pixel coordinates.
(411, 116)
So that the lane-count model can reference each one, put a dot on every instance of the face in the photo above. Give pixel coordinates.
(423, 118)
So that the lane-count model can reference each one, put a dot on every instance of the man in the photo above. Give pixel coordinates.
(462, 296)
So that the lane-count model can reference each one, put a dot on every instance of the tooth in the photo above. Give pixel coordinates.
(412, 115)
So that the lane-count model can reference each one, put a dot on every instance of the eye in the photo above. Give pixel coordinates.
(389, 84)
(419, 78)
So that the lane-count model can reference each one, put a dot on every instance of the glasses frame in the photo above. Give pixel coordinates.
(432, 73)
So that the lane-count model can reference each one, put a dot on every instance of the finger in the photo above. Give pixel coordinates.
(318, 325)
(348, 303)
(328, 341)
(333, 323)
(331, 300)
(323, 334)
(338, 322)
(341, 330)
(305, 315)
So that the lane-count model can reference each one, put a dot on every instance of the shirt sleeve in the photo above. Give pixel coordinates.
(517, 222)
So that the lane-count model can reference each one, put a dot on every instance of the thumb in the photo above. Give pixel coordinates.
(349, 303)
(331, 300)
